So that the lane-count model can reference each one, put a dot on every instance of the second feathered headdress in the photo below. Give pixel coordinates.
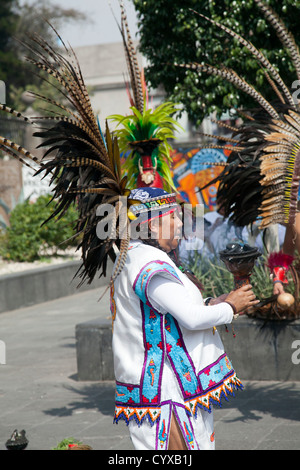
(261, 179)
(144, 133)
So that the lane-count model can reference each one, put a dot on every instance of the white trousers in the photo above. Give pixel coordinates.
(198, 433)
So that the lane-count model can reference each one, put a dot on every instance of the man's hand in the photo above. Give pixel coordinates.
(242, 298)
(278, 288)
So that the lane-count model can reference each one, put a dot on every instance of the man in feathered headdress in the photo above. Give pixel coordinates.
(169, 361)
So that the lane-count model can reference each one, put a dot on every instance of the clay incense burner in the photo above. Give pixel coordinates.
(239, 259)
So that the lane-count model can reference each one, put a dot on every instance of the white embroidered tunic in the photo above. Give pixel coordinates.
(168, 357)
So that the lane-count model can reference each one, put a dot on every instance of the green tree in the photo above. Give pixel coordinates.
(17, 23)
(171, 33)
(10, 66)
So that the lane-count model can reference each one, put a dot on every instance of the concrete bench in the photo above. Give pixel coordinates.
(35, 286)
(263, 351)
(94, 350)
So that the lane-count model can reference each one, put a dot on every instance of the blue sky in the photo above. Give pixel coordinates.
(102, 29)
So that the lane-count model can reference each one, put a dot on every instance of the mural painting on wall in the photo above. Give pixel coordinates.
(191, 171)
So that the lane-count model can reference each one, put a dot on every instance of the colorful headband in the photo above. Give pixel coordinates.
(152, 199)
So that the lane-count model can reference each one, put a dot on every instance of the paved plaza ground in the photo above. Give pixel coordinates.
(39, 390)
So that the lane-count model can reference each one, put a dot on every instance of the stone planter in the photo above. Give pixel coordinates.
(257, 352)
(263, 351)
(40, 285)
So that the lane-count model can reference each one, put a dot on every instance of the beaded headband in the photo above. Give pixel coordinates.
(160, 203)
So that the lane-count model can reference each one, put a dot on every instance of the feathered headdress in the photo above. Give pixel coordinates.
(83, 165)
(261, 178)
(13, 149)
(143, 135)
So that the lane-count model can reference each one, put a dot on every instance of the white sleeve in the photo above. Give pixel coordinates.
(167, 296)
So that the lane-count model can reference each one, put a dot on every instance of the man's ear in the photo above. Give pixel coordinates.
(153, 226)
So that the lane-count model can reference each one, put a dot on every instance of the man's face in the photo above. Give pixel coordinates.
(167, 230)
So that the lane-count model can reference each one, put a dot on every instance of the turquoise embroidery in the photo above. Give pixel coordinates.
(180, 361)
(211, 376)
(127, 393)
(152, 372)
(143, 278)
(163, 434)
(182, 364)
(164, 427)
(153, 333)
(162, 335)
(186, 427)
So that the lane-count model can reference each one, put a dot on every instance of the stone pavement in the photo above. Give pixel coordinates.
(39, 391)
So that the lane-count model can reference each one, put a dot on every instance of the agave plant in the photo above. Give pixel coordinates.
(217, 280)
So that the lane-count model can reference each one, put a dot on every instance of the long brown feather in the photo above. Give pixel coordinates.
(239, 82)
(284, 35)
(257, 54)
(132, 62)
